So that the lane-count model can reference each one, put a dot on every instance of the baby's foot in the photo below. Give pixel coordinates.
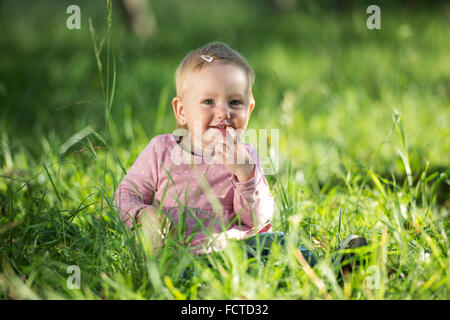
(346, 262)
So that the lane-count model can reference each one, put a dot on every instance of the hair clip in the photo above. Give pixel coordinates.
(207, 58)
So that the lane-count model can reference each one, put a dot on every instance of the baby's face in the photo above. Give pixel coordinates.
(214, 98)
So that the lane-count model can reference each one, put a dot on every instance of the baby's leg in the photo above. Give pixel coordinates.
(264, 241)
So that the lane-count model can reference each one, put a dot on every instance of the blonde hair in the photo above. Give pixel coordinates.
(220, 51)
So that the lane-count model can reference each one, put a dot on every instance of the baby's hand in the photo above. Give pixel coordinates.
(154, 225)
(231, 152)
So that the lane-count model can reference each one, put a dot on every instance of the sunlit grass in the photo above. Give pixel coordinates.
(364, 135)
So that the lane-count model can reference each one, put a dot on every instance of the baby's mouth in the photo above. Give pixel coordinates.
(221, 127)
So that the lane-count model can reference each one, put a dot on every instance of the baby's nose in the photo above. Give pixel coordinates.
(222, 111)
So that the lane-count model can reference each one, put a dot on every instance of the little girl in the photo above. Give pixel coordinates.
(207, 182)
(204, 177)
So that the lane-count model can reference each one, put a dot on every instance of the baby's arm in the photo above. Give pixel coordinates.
(134, 195)
(253, 203)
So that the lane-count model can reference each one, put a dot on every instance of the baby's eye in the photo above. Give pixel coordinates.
(235, 102)
(208, 101)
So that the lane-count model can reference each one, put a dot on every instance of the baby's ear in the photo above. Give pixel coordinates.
(178, 110)
(252, 105)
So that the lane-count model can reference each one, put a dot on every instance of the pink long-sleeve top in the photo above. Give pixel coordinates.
(166, 174)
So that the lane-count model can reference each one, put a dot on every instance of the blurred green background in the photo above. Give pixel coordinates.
(323, 78)
(356, 110)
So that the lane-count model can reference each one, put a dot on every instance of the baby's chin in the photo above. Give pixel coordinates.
(206, 138)
(212, 134)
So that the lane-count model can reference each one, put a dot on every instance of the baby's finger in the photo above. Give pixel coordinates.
(232, 135)
(219, 147)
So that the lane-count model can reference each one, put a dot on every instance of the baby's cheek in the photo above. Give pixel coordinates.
(242, 113)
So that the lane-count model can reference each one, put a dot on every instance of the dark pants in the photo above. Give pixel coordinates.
(266, 239)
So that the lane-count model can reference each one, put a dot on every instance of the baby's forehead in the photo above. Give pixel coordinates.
(217, 76)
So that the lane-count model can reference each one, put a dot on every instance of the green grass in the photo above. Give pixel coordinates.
(364, 149)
